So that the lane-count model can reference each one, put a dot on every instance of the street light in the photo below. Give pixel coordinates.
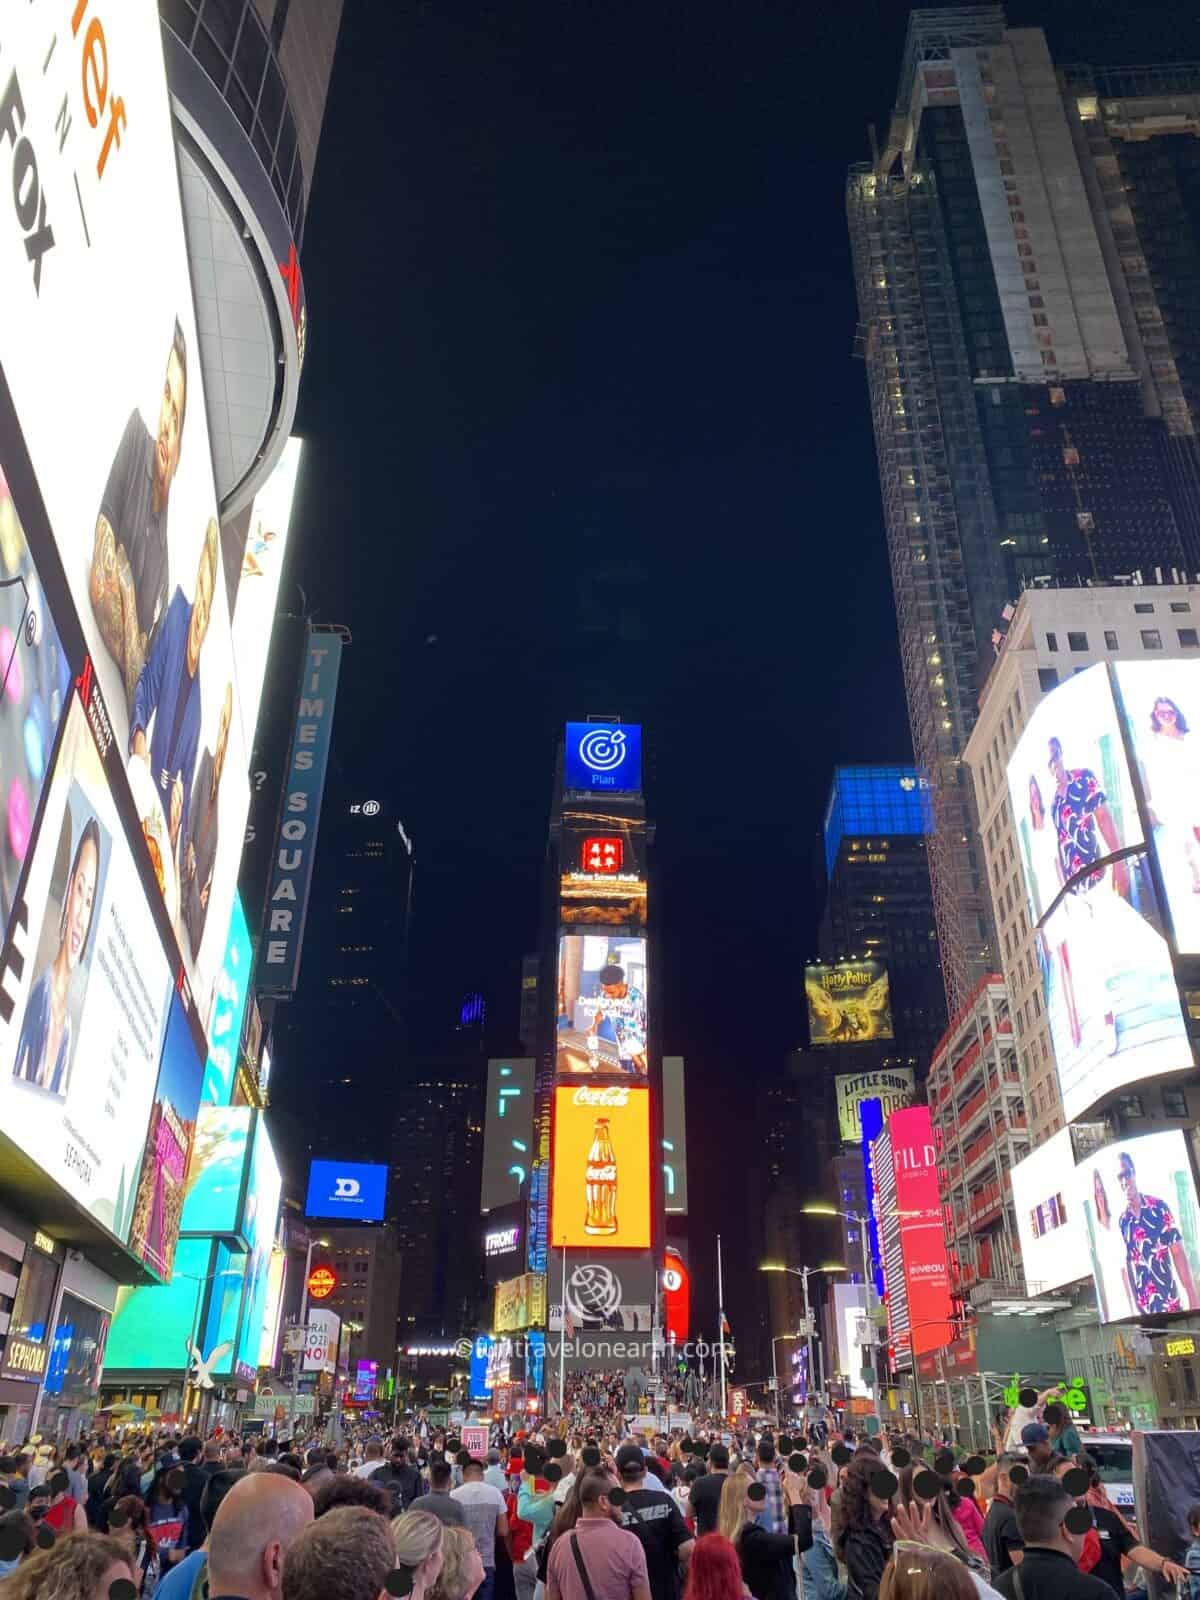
(802, 1273)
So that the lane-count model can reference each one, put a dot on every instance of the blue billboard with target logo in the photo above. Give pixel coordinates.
(604, 757)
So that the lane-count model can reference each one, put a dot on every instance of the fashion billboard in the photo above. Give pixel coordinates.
(216, 1174)
(600, 1170)
(1161, 705)
(1141, 1215)
(519, 1303)
(894, 1088)
(84, 993)
(346, 1191)
(1049, 1220)
(603, 758)
(602, 881)
(919, 1222)
(124, 467)
(158, 1199)
(601, 1007)
(507, 1131)
(300, 814)
(848, 1003)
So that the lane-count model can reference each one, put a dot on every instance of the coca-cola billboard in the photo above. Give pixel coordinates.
(600, 1171)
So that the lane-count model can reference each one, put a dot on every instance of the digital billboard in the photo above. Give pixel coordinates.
(1071, 792)
(893, 1087)
(321, 1346)
(479, 1389)
(850, 1313)
(674, 1137)
(1161, 704)
(1140, 1211)
(676, 1295)
(260, 1219)
(603, 758)
(507, 1131)
(1049, 1220)
(922, 1235)
(228, 1009)
(346, 1191)
(1110, 990)
(276, 1277)
(504, 1241)
(600, 1171)
(84, 993)
(124, 468)
(519, 1303)
(604, 1292)
(158, 1200)
(601, 1006)
(216, 1174)
(224, 1308)
(848, 1003)
(151, 1327)
(602, 882)
(259, 558)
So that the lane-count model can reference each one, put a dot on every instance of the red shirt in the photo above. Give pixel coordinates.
(61, 1517)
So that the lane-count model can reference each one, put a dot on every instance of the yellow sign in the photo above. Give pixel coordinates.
(1181, 1347)
(23, 1358)
(43, 1241)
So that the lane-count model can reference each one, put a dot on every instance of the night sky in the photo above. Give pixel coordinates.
(579, 290)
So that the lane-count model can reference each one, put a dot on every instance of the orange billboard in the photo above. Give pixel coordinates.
(600, 1169)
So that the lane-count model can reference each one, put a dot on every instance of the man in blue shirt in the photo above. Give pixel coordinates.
(168, 693)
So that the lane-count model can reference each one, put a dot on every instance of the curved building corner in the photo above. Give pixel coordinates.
(248, 81)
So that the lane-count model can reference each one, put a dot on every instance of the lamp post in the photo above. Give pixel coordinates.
(803, 1274)
(779, 1337)
(298, 1355)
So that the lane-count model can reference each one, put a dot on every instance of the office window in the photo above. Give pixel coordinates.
(1181, 605)
(1143, 608)
(1188, 638)
(1110, 640)
(1151, 639)
(1077, 641)
(1047, 679)
(1174, 1103)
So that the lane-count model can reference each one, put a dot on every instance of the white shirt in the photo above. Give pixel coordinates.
(482, 1505)
(364, 1469)
(563, 1488)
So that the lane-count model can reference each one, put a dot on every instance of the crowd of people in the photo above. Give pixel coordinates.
(573, 1513)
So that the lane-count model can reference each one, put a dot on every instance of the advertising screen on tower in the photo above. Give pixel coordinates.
(346, 1191)
(215, 1182)
(600, 1170)
(603, 871)
(228, 1010)
(848, 1003)
(601, 1007)
(604, 1291)
(922, 1236)
(1161, 705)
(158, 1201)
(893, 1087)
(1049, 1219)
(604, 758)
(260, 1218)
(1141, 1219)
(674, 1137)
(507, 1131)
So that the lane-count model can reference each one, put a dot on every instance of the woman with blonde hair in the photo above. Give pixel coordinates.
(418, 1538)
(462, 1566)
(766, 1558)
(79, 1566)
(917, 1572)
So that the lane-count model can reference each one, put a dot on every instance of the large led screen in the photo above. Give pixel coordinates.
(674, 1137)
(158, 1202)
(260, 1219)
(151, 1327)
(273, 1310)
(605, 759)
(1049, 1220)
(849, 1002)
(1161, 702)
(228, 1010)
(346, 1191)
(507, 1131)
(1140, 1212)
(600, 1171)
(1071, 792)
(1111, 996)
(216, 1173)
(260, 557)
(86, 989)
(922, 1235)
(519, 1302)
(603, 872)
(893, 1087)
(94, 280)
(601, 1007)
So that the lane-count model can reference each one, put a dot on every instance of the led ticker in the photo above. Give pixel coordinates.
(322, 1281)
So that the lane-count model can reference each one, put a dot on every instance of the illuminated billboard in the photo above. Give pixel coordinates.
(850, 1314)
(1049, 1218)
(504, 1241)
(260, 1218)
(1071, 792)
(276, 1277)
(124, 468)
(228, 1011)
(848, 1003)
(602, 881)
(158, 1201)
(601, 1007)
(151, 1327)
(346, 1191)
(1161, 703)
(674, 1137)
(260, 558)
(605, 1292)
(507, 1131)
(600, 1171)
(321, 1346)
(603, 758)
(1141, 1215)
(893, 1087)
(86, 989)
(216, 1174)
(519, 1303)
(914, 1218)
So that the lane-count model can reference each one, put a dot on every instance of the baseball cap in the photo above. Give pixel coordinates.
(1035, 1433)
(630, 1456)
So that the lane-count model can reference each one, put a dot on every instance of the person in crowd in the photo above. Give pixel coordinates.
(438, 1501)
(418, 1539)
(962, 1536)
(773, 1515)
(822, 1578)
(97, 1480)
(766, 1558)
(169, 1517)
(1001, 1537)
(195, 1481)
(14, 1475)
(399, 1477)
(79, 1566)
(1064, 1437)
(597, 1545)
(462, 1573)
(1115, 1539)
(714, 1571)
(486, 1517)
(921, 1573)
(863, 1537)
(75, 1465)
(653, 1518)
(64, 1514)
(495, 1472)
(1191, 1559)
(344, 1489)
(1022, 1415)
(346, 1555)
(18, 1539)
(1049, 1567)
(1035, 1438)
(705, 1497)
(317, 1471)
(372, 1459)
(129, 1525)
(255, 1525)
(186, 1578)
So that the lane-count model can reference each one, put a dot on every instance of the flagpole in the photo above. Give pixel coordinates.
(562, 1339)
(721, 1323)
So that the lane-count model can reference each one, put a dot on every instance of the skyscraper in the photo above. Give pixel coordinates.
(1015, 439)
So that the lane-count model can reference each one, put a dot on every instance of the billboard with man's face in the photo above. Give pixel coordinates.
(601, 1007)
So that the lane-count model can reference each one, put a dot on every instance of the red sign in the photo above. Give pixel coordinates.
(602, 855)
(677, 1295)
(738, 1404)
(922, 1237)
(322, 1281)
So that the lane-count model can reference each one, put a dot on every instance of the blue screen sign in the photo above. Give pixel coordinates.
(608, 759)
(350, 1191)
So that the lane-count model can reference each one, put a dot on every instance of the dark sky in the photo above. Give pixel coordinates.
(579, 284)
